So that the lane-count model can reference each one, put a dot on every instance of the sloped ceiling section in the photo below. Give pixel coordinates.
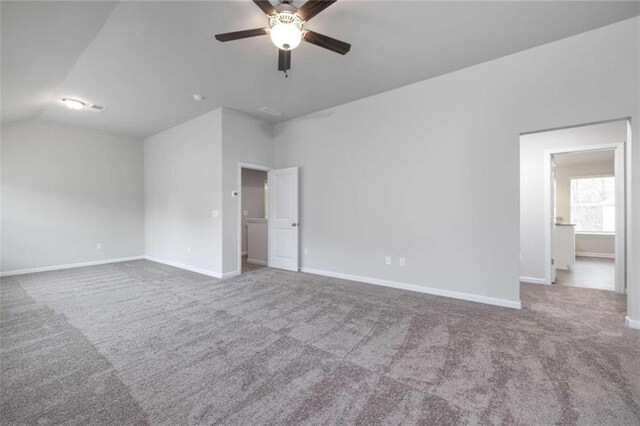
(41, 42)
(150, 57)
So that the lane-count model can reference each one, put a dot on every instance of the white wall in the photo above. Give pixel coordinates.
(183, 186)
(191, 170)
(65, 189)
(253, 195)
(244, 140)
(586, 244)
(431, 171)
(532, 213)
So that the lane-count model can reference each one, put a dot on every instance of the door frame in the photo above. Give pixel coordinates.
(250, 166)
(620, 234)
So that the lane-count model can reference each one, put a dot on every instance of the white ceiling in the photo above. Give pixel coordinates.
(40, 43)
(147, 59)
(587, 157)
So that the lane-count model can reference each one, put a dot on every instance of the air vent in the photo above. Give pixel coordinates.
(271, 111)
(96, 108)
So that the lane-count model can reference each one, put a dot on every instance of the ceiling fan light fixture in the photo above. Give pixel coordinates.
(73, 103)
(286, 30)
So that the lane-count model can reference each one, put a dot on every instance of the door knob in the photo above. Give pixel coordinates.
(294, 224)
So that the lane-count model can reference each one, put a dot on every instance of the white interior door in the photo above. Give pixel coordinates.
(283, 219)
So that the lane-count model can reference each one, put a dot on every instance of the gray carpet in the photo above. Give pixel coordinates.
(143, 343)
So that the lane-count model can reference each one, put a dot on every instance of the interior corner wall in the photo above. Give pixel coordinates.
(244, 140)
(430, 172)
(64, 190)
(532, 214)
(183, 186)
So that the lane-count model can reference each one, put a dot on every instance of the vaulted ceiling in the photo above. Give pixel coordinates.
(145, 60)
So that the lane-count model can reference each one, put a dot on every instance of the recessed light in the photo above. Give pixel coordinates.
(73, 103)
(271, 111)
(198, 98)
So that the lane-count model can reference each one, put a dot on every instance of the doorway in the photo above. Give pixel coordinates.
(268, 223)
(584, 206)
(254, 210)
(572, 206)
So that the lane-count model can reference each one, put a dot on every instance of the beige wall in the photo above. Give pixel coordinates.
(595, 245)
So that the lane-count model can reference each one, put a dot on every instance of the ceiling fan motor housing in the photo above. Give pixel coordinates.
(286, 6)
(284, 19)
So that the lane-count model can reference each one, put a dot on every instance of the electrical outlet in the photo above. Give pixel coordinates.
(387, 260)
(306, 251)
(98, 246)
(188, 250)
(402, 261)
(215, 213)
(245, 212)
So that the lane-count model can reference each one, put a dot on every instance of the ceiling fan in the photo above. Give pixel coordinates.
(286, 29)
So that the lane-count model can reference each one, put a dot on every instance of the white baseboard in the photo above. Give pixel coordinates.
(632, 323)
(420, 289)
(533, 280)
(257, 262)
(68, 266)
(230, 274)
(207, 272)
(603, 255)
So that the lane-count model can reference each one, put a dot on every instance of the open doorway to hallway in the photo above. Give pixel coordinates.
(584, 219)
(572, 206)
(254, 221)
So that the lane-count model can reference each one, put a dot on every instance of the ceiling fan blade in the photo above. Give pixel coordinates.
(284, 60)
(237, 35)
(327, 42)
(312, 7)
(266, 7)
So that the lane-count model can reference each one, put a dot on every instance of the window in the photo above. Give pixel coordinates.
(593, 204)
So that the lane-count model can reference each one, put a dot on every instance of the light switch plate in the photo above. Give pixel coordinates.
(215, 213)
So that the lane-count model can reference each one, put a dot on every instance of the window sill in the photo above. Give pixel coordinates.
(596, 234)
